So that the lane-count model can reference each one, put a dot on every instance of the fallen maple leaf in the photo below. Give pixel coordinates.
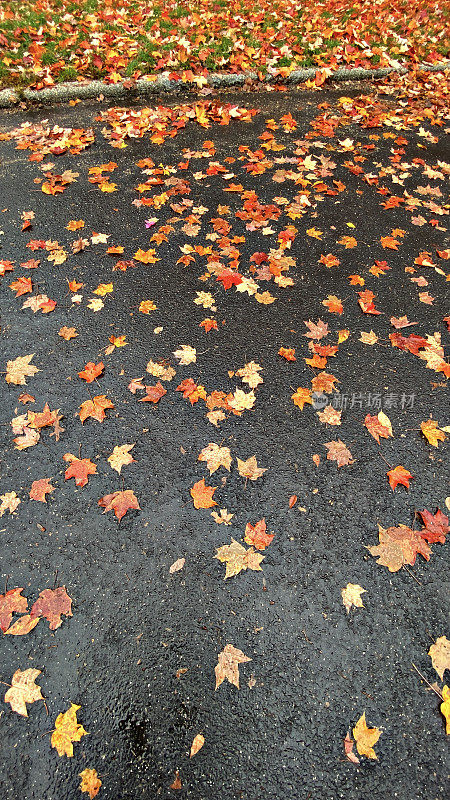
(288, 353)
(51, 604)
(330, 416)
(365, 738)
(215, 457)
(379, 425)
(119, 502)
(153, 393)
(366, 303)
(176, 784)
(23, 690)
(398, 546)
(186, 354)
(80, 469)
(202, 495)
(90, 782)
(208, 324)
(324, 382)
(103, 289)
(368, 338)
(439, 653)
(445, 707)
(21, 286)
(228, 665)
(39, 490)
(399, 475)
(9, 502)
(238, 559)
(146, 306)
(121, 456)
(432, 432)
(135, 384)
(11, 602)
(389, 242)
(256, 535)
(19, 369)
(339, 452)
(67, 730)
(67, 333)
(95, 408)
(242, 401)
(23, 625)
(348, 241)
(250, 374)
(249, 469)
(317, 330)
(334, 304)
(197, 744)
(222, 517)
(301, 396)
(436, 526)
(91, 371)
(351, 596)
(401, 322)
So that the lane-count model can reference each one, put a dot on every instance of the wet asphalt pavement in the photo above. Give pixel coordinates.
(138, 654)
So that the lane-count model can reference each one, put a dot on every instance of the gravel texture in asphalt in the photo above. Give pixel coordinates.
(138, 654)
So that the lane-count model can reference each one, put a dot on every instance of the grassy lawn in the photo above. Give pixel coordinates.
(48, 41)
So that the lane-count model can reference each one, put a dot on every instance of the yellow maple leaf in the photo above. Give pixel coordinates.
(19, 369)
(351, 596)
(67, 730)
(445, 707)
(238, 559)
(365, 738)
(103, 289)
(432, 432)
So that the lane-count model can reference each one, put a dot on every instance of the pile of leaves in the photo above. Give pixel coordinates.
(48, 41)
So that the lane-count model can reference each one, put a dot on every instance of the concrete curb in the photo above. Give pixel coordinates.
(92, 89)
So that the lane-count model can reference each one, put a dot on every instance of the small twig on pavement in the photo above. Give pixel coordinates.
(439, 694)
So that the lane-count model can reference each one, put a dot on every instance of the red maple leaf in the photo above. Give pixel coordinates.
(50, 604)
(11, 602)
(154, 393)
(411, 343)
(229, 278)
(436, 526)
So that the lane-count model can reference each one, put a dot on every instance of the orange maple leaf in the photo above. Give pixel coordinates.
(288, 353)
(95, 408)
(399, 475)
(119, 502)
(79, 469)
(301, 396)
(256, 535)
(348, 242)
(39, 490)
(202, 495)
(91, 371)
